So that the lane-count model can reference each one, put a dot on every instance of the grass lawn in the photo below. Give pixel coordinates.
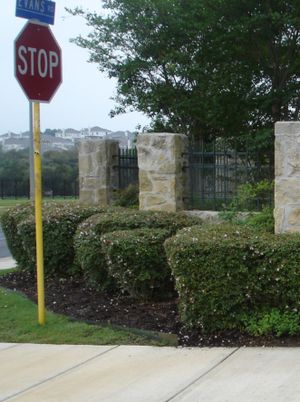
(7, 203)
(18, 317)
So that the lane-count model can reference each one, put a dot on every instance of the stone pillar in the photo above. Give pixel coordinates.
(98, 176)
(287, 177)
(162, 177)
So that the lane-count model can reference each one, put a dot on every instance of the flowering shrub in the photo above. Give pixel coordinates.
(136, 259)
(9, 223)
(226, 273)
(60, 222)
(89, 253)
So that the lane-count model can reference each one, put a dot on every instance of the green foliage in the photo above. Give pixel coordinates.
(260, 221)
(250, 197)
(89, 254)
(10, 220)
(127, 197)
(14, 165)
(59, 168)
(273, 322)
(224, 273)
(162, 51)
(60, 222)
(136, 259)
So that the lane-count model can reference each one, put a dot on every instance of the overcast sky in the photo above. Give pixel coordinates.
(83, 99)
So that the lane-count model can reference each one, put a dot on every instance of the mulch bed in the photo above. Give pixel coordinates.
(74, 299)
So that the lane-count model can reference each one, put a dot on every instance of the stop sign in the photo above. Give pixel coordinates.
(38, 62)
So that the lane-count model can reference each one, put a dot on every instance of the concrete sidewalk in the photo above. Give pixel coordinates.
(7, 262)
(44, 373)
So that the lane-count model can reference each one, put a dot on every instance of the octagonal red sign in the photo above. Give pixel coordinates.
(38, 66)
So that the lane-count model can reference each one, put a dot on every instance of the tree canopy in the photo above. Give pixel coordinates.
(60, 168)
(208, 68)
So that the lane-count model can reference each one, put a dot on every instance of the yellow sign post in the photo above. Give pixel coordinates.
(38, 212)
(38, 68)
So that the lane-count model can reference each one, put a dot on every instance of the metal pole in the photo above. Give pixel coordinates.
(31, 164)
(38, 213)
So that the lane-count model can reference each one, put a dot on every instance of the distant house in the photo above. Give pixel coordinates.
(6, 136)
(65, 139)
(97, 132)
(15, 144)
(126, 138)
(69, 133)
(72, 134)
(50, 143)
(12, 141)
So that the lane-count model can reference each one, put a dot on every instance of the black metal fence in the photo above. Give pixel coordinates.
(127, 170)
(128, 167)
(215, 176)
(51, 188)
(10, 188)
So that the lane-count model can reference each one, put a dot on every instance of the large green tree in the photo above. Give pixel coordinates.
(59, 170)
(202, 67)
(14, 165)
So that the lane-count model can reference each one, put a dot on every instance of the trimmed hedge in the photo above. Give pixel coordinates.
(9, 223)
(226, 274)
(60, 222)
(136, 259)
(89, 254)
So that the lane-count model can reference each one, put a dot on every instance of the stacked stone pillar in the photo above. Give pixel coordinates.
(287, 177)
(162, 176)
(98, 176)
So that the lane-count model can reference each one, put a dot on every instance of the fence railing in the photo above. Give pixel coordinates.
(128, 167)
(10, 188)
(216, 175)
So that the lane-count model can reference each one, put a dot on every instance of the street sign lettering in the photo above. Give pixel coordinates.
(38, 62)
(40, 10)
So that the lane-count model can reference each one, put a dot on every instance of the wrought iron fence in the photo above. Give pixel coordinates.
(51, 188)
(128, 167)
(10, 188)
(215, 176)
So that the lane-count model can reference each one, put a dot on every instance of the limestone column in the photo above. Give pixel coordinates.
(162, 178)
(98, 176)
(287, 177)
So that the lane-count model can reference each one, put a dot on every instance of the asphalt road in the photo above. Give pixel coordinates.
(4, 252)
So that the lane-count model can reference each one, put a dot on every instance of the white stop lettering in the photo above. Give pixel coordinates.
(37, 61)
